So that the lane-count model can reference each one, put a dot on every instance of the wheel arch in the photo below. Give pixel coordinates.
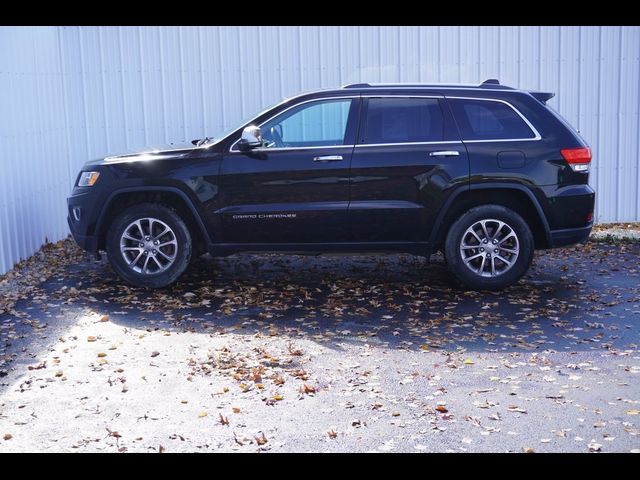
(513, 196)
(169, 196)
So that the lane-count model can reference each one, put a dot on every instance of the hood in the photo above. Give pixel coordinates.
(147, 154)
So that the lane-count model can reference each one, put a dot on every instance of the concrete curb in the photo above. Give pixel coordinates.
(615, 234)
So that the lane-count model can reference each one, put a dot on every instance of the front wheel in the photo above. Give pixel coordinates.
(149, 245)
(489, 247)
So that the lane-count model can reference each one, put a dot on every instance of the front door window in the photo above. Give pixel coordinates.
(314, 124)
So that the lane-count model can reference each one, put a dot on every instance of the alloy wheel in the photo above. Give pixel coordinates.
(148, 246)
(489, 247)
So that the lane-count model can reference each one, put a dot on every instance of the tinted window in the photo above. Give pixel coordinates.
(488, 120)
(310, 124)
(400, 120)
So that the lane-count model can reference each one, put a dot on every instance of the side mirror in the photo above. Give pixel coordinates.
(251, 137)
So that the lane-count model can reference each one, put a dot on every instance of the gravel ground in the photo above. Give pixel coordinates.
(329, 353)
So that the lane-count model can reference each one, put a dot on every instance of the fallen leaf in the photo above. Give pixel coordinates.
(307, 389)
(528, 450)
(332, 433)
(293, 350)
(396, 414)
(104, 318)
(261, 439)
(41, 365)
(102, 355)
(633, 412)
(235, 409)
(515, 408)
(203, 414)
(277, 397)
(59, 373)
(442, 409)
(91, 338)
(594, 447)
(7, 436)
(468, 361)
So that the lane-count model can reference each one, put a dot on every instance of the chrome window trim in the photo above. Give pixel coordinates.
(341, 97)
(372, 95)
(439, 142)
(279, 149)
(536, 137)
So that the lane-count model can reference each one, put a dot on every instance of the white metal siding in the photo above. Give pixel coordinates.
(69, 94)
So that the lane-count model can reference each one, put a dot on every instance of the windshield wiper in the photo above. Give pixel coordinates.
(201, 141)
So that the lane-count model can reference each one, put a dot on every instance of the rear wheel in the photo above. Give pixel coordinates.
(149, 245)
(489, 247)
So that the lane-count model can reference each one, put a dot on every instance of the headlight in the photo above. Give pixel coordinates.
(87, 179)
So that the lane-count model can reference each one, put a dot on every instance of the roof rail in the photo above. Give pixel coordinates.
(357, 85)
(494, 83)
(491, 83)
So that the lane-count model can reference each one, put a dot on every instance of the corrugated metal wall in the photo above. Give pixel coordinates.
(68, 94)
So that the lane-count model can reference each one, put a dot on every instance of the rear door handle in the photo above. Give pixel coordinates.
(328, 158)
(445, 153)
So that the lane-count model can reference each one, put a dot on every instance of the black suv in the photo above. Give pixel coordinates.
(484, 173)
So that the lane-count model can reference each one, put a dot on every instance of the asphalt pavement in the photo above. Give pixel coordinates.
(322, 353)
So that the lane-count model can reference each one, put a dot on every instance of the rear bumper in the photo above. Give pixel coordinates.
(570, 236)
(86, 242)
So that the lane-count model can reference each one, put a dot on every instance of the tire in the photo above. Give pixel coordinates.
(482, 268)
(173, 249)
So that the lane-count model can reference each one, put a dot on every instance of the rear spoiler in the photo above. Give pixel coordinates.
(542, 96)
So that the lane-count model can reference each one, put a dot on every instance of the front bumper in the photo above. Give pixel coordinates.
(83, 207)
(86, 242)
(570, 236)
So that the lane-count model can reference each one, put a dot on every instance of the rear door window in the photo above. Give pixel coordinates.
(489, 120)
(403, 120)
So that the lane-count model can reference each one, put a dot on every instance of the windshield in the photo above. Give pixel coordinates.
(208, 141)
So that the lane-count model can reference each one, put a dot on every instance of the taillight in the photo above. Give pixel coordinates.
(578, 158)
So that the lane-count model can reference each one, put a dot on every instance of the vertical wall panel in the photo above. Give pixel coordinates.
(34, 153)
(70, 94)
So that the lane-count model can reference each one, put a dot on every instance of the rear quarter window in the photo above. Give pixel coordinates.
(489, 120)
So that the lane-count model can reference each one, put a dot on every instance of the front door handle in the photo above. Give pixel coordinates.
(445, 153)
(328, 158)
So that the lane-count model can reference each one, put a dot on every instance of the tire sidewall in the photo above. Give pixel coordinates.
(169, 217)
(463, 273)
